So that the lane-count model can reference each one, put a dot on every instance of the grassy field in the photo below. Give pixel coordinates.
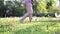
(37, 26)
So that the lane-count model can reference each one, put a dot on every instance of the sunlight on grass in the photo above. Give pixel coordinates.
(13, 26)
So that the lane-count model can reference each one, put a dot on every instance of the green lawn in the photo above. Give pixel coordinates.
(40, 26)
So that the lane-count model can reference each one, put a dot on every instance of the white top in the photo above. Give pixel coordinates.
(7, 0)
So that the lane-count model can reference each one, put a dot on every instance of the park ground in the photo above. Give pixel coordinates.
(39, 25)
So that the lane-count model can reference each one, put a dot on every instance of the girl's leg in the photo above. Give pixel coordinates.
(25, 15)
(30, 17)
(30, 11)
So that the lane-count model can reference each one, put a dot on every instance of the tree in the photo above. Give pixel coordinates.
(1, 8)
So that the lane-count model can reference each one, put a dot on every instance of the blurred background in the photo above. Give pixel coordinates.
(15, 8)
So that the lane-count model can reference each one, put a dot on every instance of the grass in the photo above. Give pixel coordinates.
(40, 26)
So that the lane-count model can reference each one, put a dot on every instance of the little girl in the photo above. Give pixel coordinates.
(29, 11)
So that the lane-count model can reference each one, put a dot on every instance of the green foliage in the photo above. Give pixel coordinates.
(49, 4)
(19, 11)
(1, 3)
(41, 7)
(45, 7)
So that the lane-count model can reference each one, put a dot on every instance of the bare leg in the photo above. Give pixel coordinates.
(22, 19)
(30, 17)
(29, 12)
